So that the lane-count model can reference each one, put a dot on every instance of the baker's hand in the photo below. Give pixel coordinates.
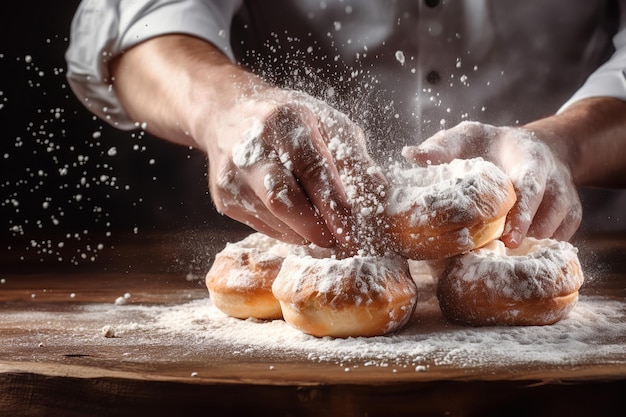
(275, 155)
(274, 165)
(547, 200)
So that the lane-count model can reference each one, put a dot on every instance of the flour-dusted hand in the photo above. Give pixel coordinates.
(273, 154)
(547, 199)
(270, 166)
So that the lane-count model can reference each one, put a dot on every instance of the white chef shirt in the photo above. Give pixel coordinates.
(418, 66)
(433, 62)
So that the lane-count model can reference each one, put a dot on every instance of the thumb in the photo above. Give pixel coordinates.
(434, 150)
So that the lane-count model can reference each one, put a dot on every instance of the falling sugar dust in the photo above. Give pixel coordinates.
(72, 186)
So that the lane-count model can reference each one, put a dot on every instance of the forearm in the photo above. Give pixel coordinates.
(176, 84)
(590, 137)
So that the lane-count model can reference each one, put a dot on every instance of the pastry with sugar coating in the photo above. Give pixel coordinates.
(323, 295)
(241, 276)
(439, 211)
(534, 284)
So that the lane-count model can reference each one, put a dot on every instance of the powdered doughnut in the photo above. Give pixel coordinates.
(240, 279)
(534, 284)
(357, 296)
(444, 210)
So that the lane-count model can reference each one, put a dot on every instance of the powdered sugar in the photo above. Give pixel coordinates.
(536, 269)
(262, 248)
(595, 329)
(263, 244)
(456, 190)
(354, 280)
(227, 181)
(366, 196)
(195, 334)
(250, 150)
(280, 191)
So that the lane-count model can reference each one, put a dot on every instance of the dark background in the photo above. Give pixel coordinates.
(71, 186)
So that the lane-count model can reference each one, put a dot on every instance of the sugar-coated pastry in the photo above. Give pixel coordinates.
(534, 284)
(444, 210)
(241, 276)
(356, 296)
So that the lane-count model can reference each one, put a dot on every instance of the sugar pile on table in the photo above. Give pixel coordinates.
(595, 328)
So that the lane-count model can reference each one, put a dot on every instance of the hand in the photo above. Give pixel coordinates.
(275, 158)
(547, 200)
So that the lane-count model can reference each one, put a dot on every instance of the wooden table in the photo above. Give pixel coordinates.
(170, 352)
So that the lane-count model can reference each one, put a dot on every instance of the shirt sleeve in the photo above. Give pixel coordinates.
(609, 80)
(101, 30)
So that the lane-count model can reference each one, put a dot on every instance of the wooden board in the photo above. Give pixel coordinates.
(174, 352)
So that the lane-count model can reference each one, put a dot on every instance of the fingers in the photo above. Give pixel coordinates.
(281, 194)
(548, 205)
(268, 198)
(547, 202)
(434, 150)
(559, 214)
(570, 224)
(280, 179)
(238, 201)
(516, 226)
(296, 136)
(529, 189)
(466, 140)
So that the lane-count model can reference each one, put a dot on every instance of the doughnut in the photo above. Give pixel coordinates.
(439, 211)
(323, 295)
(241, 276)
(534, 284)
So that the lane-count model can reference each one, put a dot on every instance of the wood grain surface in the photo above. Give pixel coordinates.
(56, 360)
